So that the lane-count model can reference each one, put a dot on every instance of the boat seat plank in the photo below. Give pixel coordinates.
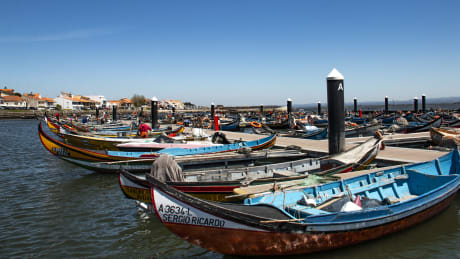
(279, 173)
(303, 211)
(404, 198)
(329, 202)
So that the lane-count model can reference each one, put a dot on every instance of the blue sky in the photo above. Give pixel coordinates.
(231, 52)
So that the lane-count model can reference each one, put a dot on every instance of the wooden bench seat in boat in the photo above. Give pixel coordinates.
(302, 211)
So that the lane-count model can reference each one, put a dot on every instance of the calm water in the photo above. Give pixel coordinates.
(51, 208)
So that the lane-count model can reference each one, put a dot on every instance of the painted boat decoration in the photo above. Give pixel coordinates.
(218, 184)
(253, 145)
(313, 219)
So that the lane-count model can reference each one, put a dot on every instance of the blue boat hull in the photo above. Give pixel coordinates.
(255, 145)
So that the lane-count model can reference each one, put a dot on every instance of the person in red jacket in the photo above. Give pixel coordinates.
(144, 130)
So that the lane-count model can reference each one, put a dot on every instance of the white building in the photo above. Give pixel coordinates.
(13, 102)
(100, 100)
(65, 101)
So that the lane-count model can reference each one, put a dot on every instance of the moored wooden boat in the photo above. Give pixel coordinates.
(61, 149)
(445, 137)
(454, 124)
(219, 160)
(308, 133)
(233, 126)
(118, 134)
(421, 119)
(364, 130)
(325, 217)
(283, 124)
(259, 144)
(263, 129)
(137, 188)
(434, 123)
(154, 146)
(321, 133)
(205, 181)
(52, 126)
(98, 143)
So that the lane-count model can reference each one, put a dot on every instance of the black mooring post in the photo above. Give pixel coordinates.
(386, 104)
(289, 105)
(423, 103)
(415, 104)
(336, 112)
(97, 113)
(174, 111)
(213, 110)
(114, 113)
(319, 108)
(355, 105)
(154, 106)
(261, 109)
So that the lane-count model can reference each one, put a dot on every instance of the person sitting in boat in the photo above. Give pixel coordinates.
(143, 130)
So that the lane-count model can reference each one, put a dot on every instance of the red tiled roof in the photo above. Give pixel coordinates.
(12, 98)
(34, 96)
(48, 99)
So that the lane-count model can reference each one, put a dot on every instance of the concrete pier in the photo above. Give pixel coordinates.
(318, 148)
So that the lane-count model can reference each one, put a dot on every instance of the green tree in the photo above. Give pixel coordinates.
(138, 100)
